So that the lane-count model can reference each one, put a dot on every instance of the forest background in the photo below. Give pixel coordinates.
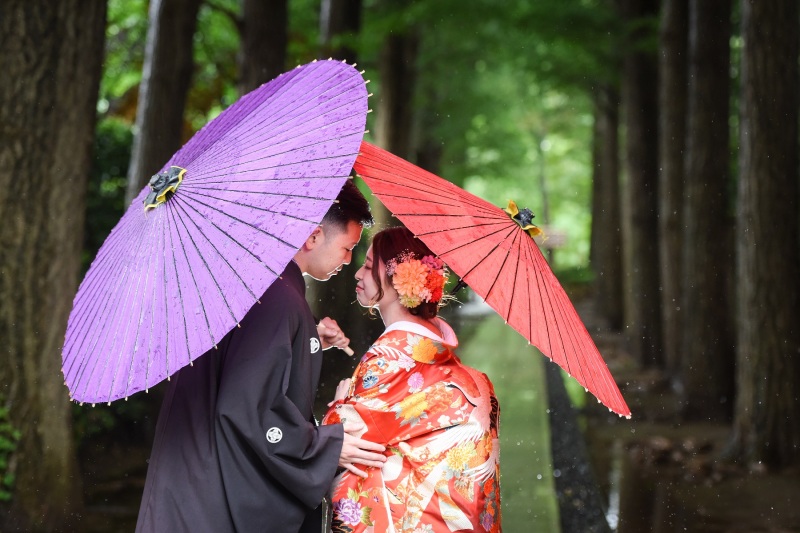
(656, 142)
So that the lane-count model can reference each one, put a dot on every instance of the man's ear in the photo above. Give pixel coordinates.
(316, 238)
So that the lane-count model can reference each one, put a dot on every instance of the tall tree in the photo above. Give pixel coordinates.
(340, 23)
(639, 95)
(767, 412)
(50, 55)
(672, 68)
(707, 332)
(606, 251)
(264, 28)
(166, 78)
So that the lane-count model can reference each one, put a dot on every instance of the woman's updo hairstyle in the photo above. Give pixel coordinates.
(390, 243)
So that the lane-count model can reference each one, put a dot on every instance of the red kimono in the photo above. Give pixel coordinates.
(438, 420)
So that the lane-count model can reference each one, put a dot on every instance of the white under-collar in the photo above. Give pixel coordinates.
(447, 338)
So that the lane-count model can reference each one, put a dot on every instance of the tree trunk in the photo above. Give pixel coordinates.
(340, 22)
(767, 413)
(640, 90)
(166, 78)
(50, 56)
(394, 121)
(707, 331)
(673, 64)
(606, 250)
(264, 31)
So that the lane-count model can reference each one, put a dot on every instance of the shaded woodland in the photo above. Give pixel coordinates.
(657, 140)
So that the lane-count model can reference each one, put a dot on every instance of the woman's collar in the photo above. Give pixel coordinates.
(447, 337)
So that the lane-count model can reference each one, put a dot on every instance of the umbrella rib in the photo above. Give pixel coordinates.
(94, 275)
(242, 246)
(116, 307)
(108, 304)
(194, 281)
(469, 226)
(544, 288)
(436, 192)
(211, 273)
(486, 236)
(142, 311)
(536, 275)
(487, 255)
(255, 130)
(265, 193)
(185, 199)
(393, 169)
(143, 273)
(505, 260)
(283, 91)
(514, 284)
(180, 296)
(268, 143)
(282, 165)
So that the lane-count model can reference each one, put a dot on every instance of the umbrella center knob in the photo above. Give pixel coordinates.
(525, 217)
(163, 186)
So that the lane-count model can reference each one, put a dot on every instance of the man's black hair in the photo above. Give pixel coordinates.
(350, 205)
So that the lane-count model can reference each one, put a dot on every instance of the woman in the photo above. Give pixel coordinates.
(437, 418)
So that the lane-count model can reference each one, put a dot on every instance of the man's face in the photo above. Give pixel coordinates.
(335, 251)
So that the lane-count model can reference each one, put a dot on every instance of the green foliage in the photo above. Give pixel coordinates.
(126, 33)
(9, 438)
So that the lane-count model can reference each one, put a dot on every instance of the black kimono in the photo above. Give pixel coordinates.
(236, 445)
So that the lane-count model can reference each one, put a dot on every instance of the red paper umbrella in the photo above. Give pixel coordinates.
(493, 251)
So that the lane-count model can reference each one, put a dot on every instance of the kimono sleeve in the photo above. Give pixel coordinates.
(262, 432)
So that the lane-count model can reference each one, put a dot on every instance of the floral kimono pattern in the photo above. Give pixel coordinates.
(438, 420)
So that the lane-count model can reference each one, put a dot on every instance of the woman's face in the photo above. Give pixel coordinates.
(367, 289)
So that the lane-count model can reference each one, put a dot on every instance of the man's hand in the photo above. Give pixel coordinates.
(331, 335)
(359, 451)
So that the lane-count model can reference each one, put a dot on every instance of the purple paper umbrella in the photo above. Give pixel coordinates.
(214, 229)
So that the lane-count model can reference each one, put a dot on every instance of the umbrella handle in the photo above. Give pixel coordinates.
(349, 351)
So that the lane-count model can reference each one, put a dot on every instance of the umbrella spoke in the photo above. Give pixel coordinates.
(240, 221)
(185, 249)
(201, 174)
(87, 325)
(284, 167)
(134, 296)
(278, 103)
(293, 117)
(205, 264)
(239, 244)
(96, 277)
(117, 305)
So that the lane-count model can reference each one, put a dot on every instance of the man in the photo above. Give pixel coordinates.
(236, 445)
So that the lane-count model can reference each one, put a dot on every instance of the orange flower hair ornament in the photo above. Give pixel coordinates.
(417, 280)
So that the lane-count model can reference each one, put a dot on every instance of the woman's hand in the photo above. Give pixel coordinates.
(342, 391)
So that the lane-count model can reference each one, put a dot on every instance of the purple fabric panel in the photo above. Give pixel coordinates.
(169, 283)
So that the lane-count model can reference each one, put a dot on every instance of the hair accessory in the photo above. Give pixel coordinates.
(417, 280)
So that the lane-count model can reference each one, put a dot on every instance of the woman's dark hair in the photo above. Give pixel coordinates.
(350, 206)
(388, 244)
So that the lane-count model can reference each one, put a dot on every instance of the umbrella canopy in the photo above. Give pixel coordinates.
(496, 256)
(214, 229)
